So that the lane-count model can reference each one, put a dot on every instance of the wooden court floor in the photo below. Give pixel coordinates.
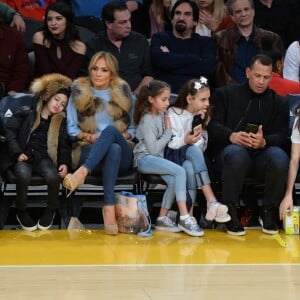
(62, 264)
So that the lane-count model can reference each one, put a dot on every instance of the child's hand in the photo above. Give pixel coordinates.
(126, 135)
(192, 138)
(164, 49)
(286, 204)
(93, 137)
(62, 171)
(22, 157)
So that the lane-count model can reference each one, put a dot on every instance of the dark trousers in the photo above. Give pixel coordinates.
(268, 166)
(46, 169)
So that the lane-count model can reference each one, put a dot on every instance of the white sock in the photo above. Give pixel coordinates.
(184, 217)
(209, 202)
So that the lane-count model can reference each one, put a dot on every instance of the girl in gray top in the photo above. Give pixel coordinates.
(154, 132)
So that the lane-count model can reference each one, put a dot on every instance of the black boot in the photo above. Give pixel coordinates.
(268, 219)
(234, 226)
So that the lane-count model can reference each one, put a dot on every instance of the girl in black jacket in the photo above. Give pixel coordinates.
(36, 142)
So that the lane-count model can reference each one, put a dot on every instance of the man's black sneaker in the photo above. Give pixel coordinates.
(25, 220)
(46, 221)
(267, 220)
(234, 226)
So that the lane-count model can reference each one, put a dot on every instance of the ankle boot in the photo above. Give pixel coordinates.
(267, 219)
(234, 226)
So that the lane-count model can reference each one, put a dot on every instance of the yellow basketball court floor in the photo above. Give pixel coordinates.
(87, 264)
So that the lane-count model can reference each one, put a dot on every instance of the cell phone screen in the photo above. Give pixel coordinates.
(251, 128)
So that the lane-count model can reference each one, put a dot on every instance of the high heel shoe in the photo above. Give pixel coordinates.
(109, 220)
(111, 229)
(71, 183)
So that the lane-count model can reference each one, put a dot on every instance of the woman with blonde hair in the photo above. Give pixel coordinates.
(98, 120)
(213, 17)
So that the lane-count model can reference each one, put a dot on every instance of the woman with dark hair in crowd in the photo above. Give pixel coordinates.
(57, 47)
(278, 84)
(152, 17)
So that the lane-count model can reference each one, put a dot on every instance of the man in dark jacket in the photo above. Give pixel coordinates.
(181, 54)
(237, 45)
(238, 152)
(129, 47)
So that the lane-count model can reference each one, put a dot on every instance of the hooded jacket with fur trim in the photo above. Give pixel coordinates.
(20, 125)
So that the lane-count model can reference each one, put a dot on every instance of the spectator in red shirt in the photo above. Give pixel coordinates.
(34, 9)
(278, 84)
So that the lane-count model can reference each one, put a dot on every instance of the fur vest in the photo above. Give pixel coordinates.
(87, 104)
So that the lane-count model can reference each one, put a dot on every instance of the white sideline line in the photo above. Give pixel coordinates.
(149, 265)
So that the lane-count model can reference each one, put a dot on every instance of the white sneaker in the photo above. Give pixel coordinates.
(172, 214)
(190, 227)
(218, 212)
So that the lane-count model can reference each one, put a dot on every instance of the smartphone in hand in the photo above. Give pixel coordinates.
(197, 129)
(250, 127)
(196, 124)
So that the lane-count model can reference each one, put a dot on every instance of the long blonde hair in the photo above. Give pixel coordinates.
(217, 8)
(112, 64)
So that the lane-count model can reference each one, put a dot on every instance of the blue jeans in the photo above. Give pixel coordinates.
(110, 156)
(268, 166)
(195, 155)
(173, 174)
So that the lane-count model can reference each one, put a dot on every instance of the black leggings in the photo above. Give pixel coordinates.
(46, 169)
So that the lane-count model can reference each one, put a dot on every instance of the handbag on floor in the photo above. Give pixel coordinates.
(132, 214)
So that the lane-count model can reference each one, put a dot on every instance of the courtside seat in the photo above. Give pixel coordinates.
(148, 179)
(127, 179)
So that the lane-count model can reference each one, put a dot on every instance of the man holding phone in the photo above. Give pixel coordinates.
(248, 128)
